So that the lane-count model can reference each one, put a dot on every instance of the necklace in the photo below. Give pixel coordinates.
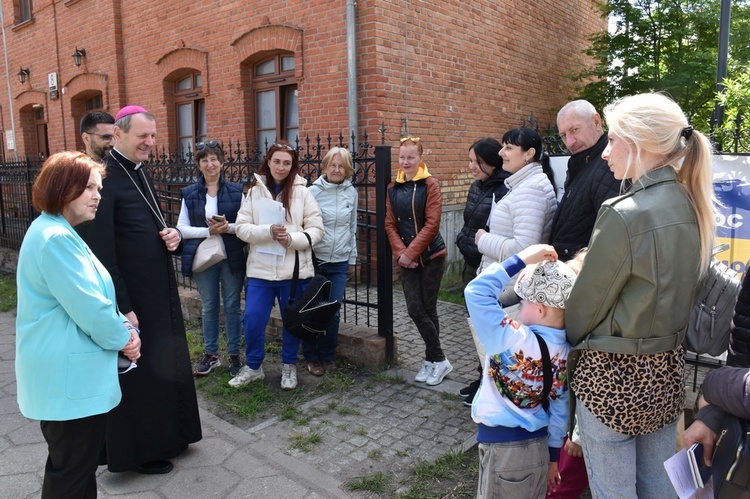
(157, 214)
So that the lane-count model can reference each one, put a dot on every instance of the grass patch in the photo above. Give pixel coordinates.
(8, 297)
(451, 396)
(453, 475)
(360, 432)
(371, 483)
(384, 377)
(375, 455)
(247, 402)
(348, 411)
(305, 443)
(337, 382)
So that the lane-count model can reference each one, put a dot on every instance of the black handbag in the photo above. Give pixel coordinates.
(711, 318)
(309, 315)
(731, 460)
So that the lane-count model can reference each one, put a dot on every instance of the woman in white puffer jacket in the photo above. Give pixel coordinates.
(524, 215)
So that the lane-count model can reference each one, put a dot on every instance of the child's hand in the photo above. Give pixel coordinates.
(573, 449)
(553, 478)
(537, 253)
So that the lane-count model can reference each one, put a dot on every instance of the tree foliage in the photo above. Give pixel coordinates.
(669, 46)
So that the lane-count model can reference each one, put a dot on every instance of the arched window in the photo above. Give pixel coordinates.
(190, 112)
(275, 92)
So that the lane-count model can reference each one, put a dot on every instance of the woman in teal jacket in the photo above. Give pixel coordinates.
(68, 328)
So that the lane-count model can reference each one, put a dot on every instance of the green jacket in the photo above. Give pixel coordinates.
(638, 283)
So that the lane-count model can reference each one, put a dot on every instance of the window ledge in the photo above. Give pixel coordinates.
(70, 2)
(23, 24)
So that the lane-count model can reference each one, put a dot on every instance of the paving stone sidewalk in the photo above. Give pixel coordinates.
(376, 425)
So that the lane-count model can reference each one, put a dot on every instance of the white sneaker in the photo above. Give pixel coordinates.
(289, 376)
(246, 376)
(424, 373)
(439, 370)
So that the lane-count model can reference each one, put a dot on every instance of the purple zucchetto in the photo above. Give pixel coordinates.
(128, 110)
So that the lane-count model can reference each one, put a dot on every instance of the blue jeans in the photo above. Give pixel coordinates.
(260, 296)
(325, 346)
(625, 466)
(231, 288)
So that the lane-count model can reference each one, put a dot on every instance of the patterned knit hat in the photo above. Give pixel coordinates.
(548, 283)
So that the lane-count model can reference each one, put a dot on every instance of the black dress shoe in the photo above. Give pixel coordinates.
(158, 467)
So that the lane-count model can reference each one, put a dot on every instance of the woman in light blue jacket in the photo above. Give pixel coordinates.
(336, 254)
(68, 328)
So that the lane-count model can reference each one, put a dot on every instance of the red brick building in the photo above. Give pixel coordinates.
(450, 71)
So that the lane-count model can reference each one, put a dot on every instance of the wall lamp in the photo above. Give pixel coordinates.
(78, 56)
(23, 74)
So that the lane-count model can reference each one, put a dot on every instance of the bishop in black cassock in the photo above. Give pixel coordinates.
(158, 415)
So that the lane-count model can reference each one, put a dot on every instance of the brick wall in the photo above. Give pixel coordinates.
(450, 71)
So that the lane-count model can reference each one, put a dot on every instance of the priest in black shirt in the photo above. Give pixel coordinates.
(158, 415)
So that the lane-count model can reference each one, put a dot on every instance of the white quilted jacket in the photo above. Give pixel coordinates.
(521, 218)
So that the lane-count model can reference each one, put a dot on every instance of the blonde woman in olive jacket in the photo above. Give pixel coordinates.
(269, 276)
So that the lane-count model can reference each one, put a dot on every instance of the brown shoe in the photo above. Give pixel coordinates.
(330, 366)
(315, 368)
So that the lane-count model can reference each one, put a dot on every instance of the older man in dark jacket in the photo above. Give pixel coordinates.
(589, 181)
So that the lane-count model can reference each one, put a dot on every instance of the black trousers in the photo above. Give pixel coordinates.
(421, 286)
(74, 447)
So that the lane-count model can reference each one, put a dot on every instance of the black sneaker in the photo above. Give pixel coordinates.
(206, 364)
(234, 365)
(468, 400)
(469, 391)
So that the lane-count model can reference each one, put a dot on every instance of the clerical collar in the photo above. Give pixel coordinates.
(124, 161)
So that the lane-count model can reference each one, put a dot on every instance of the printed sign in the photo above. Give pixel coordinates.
(732, 190)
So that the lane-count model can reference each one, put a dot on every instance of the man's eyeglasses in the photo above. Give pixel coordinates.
(200, 145)
(105, 137)
(413, 139)
(284, 146)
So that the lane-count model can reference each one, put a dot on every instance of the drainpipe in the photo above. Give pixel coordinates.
(10, 93)
(351, 73)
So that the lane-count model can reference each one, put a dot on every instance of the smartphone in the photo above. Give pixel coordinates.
(701, 473)
(219, 218)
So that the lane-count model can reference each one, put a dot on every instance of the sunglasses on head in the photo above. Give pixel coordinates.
(413, 139)
(284, 146)
(200, 145)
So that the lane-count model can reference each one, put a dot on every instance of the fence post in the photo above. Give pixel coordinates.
(384, 254)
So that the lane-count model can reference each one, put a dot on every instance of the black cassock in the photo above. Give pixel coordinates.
(158, 415)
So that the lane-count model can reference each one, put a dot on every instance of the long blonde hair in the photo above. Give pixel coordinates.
(653, 123)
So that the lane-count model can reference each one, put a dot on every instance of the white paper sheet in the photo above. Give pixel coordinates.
(678, 469)
(271, 213)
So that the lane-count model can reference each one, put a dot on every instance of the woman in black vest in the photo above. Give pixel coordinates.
(413, 207)
(209, 208)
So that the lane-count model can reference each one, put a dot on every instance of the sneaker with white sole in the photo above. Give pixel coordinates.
(246, 376)
(425, 372)
(439, 370)
(289, 376)
(207, 363)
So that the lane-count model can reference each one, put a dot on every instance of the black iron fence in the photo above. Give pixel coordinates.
(368, 300)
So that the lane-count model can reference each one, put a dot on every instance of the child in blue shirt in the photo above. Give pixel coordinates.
(519, 441)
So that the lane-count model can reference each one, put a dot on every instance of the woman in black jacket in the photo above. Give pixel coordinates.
(739, 339)
(485, 165)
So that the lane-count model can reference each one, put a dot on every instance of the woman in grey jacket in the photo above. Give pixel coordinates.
(628, 310)
(336, 254)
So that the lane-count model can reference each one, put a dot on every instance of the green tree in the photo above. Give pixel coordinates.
(734, 133)
(669, 46)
